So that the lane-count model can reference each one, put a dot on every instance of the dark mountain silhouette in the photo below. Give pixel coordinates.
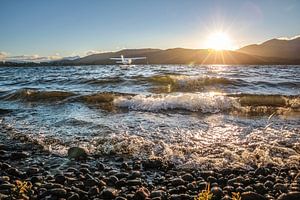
(280, 48)
(184, 56)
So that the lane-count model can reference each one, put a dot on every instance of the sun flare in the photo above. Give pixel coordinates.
(219, 41)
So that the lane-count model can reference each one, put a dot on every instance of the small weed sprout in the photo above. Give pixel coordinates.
(236, 196)
(22, 188)
(205, 194)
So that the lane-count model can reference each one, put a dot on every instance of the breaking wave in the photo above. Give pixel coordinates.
(204, 102)
(213, 148)
(209, 102)
(37, 95)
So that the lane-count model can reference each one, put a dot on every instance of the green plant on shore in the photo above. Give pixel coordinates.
(205, 194)
(236, 196)
(22, 189)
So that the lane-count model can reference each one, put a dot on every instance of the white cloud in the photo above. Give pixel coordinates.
(91, 52)
(32, 58)
(288, 38)
(3, 55)
(37, 58)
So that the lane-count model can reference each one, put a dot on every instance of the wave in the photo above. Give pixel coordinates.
(5, 111)
(211, 103)
(184, 82)
(268, 100)
(207, 149)
(204, 102)
(102, 81)
(37, 95)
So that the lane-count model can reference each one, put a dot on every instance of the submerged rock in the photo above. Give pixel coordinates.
(77, 153)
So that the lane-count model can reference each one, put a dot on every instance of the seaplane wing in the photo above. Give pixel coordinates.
(116, 58)
(138, 58)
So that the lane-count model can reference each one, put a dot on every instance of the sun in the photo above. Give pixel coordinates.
(219, 41)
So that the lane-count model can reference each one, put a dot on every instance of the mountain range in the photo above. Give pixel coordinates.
(274, 51)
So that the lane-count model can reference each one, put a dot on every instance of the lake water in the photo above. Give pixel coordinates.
(212, 116)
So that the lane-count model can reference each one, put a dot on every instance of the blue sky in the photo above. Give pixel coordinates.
(79, 27)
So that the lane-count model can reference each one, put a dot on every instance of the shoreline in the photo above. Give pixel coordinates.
(116, 177)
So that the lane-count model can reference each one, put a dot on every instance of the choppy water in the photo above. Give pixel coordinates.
(211, 116)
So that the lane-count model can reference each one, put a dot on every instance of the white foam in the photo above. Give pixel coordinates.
(204, 102)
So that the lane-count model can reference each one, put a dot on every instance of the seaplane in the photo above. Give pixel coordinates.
(127, 61)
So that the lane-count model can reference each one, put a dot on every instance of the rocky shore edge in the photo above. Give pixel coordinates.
(30, 172)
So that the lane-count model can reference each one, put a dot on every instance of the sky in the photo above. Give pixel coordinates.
(69, 28)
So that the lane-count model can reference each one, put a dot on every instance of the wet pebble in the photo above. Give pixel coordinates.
(60, 192)
(188, 177)
(289, 196)
(93, 191)
(109, 193)
(177, 181)
(252, 196)
(19, 155)
(141, 194)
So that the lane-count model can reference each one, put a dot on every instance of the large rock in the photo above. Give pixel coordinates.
(77, 153)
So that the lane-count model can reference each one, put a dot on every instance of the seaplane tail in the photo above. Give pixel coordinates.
(127, 61)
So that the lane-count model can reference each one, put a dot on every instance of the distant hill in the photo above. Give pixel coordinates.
(184, 56)
(280, 48)
(104, 58)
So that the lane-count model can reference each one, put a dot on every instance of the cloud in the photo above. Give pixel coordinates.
(35, 58)
(32, 58)
(3, 55)
(91, 52)
(288, 38)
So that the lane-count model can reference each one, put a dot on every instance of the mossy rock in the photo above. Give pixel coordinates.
(77, 153)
